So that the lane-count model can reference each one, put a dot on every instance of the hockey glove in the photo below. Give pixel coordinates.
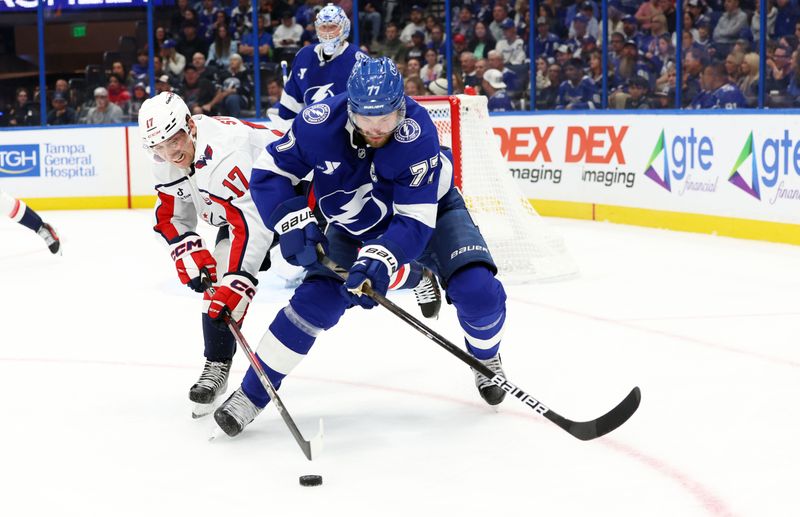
(190, 256)
(298, 230)
(233, 296)
(374, 265)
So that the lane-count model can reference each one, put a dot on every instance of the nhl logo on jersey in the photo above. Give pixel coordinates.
(408, 131)
(317, 113)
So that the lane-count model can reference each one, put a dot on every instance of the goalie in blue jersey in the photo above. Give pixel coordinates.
(386, 191)
(320, 71)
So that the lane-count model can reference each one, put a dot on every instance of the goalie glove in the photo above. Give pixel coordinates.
(373, 266)
(298, 231)
(233, 296)
(190, 256)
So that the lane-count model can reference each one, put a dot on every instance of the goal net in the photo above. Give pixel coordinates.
(524, 248)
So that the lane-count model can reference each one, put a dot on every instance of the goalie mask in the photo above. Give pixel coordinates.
(333, 27)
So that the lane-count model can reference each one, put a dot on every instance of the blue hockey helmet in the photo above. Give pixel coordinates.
(374, 88)
(332, 15)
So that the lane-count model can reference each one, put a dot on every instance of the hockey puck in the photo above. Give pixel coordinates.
(311, 480)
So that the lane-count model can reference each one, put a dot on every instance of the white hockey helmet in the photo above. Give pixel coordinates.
(162, 116)
(332, 15)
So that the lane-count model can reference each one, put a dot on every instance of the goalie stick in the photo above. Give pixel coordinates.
(311, 448)
(581, 430)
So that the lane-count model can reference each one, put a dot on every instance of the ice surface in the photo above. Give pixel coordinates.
(98, 349)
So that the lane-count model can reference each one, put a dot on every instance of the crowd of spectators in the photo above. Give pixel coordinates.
(205, 52)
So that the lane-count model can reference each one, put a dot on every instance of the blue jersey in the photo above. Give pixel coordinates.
(315, 78)
(546, 47)
(703, 100)
(500, 102)
(728, 96)
(391, 192)
(582, 96)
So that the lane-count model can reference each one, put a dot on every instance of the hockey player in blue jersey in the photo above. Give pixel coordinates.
(386, 190)
(320, 71)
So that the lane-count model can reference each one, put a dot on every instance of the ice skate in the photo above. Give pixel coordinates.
(212, 383)
(429, 296)
(235, 413)
(490, 392)
(50, 237)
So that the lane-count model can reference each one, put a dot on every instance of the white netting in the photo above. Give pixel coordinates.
(523, 246)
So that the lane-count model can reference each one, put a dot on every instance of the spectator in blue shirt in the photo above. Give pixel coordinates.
(264, 44)
(786, 19)
(630, 29)
(545, 42)
(718, 92)
(578, 91)
(495, 89)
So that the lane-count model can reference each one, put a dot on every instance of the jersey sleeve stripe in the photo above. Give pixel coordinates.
(290, 102)
(424, 213)
(240, 233)
(17, 211)
(445, 176)
(165, 210)
(266, 162)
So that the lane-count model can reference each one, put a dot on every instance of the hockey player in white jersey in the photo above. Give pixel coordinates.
(202, 169)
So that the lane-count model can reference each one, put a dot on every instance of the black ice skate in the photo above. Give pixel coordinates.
(50, 237)
(491, 393)
(429, 297)
(212, 383)
(233, 415)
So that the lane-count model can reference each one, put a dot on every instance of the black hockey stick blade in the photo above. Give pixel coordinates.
(581, 430)
(603, 425)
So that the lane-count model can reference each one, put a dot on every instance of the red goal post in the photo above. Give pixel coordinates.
(524, 247)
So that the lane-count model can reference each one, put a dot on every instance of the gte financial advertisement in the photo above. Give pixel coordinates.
(728, 165)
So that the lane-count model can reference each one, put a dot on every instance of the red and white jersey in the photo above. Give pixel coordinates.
(225, 150)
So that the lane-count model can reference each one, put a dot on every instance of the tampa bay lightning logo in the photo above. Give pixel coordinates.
(355, 210)
(317, 113)
(408, 131)
(318, 93)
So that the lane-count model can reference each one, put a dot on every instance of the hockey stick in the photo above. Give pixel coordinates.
(581, 430)
(311, 448)
(284, 73)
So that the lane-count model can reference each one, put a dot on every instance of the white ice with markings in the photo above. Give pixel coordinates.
(98, 348)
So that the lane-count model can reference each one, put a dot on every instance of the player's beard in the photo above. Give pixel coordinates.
(378, 142)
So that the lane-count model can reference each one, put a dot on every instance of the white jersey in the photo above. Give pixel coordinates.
(220, 177)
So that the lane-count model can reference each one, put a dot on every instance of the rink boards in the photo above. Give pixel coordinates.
(730, 174)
